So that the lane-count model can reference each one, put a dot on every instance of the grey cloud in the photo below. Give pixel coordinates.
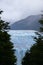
(18, 9)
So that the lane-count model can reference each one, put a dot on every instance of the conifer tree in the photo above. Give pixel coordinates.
(35, 54)
(41, 22)
(7, 51)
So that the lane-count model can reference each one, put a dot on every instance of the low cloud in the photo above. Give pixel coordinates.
(18, 9)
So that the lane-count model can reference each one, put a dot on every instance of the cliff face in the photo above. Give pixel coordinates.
(29, 23)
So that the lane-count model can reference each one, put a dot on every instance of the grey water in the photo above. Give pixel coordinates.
(22, 40)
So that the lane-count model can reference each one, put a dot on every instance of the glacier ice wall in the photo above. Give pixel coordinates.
(23, 40)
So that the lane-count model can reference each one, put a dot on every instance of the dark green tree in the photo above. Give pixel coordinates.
(7, 51)
(35, 54)
(36, 51)
(26, 59)
(41, 22)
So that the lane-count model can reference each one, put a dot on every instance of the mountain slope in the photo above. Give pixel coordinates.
(29, 23)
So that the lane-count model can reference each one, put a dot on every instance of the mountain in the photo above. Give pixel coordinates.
(29, 23)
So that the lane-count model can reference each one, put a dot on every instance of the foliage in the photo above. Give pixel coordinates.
(7, 51)
(35, 54)
(41, 22)
(26, 59)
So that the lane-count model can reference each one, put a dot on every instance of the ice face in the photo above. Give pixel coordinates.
(22, 40)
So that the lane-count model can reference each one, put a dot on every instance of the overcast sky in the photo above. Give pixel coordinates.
(18, 9)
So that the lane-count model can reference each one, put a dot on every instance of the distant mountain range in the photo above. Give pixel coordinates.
(29, 23)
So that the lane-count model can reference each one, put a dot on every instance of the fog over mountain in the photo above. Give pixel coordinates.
(29, 23)
(19, 9)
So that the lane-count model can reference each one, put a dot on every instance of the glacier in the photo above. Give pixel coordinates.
(22, 40)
